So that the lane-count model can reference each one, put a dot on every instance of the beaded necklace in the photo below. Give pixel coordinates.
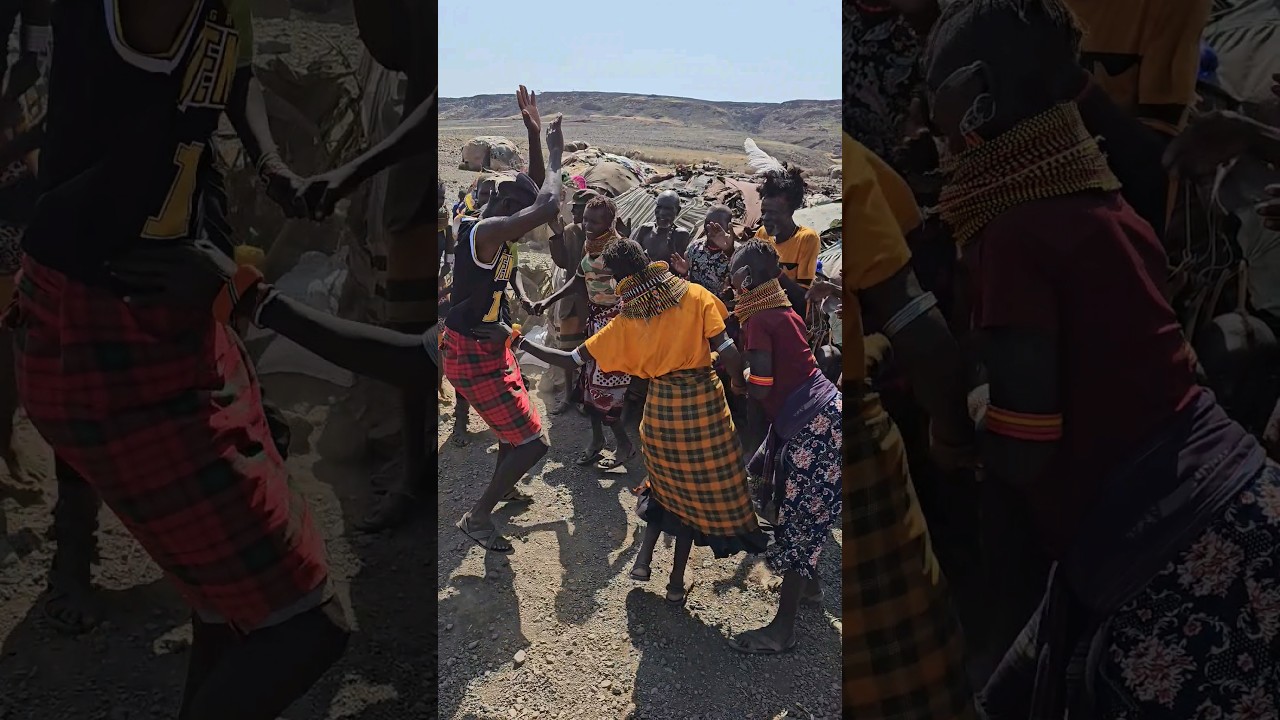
(1049, 155)
(596, 245)
(765, 296)
(651, 292)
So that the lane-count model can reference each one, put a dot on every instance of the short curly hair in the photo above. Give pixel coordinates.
(786, 184)
(604, 202)
(624, 257)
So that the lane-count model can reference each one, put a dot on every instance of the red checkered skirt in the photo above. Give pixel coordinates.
(487, 376)
(158, 408)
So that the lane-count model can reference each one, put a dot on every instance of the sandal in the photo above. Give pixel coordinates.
(586, 457)
(641, 573)
(676, 595)
(616, 462)
(489, 538)
(754, 642)
(395, 509)
(516, 496)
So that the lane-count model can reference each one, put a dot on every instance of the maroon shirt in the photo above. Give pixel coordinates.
(1086, 268)
(781, 333)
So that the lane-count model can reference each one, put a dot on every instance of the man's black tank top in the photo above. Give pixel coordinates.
(127, 136)
(479, 292)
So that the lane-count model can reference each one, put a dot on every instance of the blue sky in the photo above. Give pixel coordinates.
(746, 51)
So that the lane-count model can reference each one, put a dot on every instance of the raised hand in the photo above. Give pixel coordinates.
(623, 227)
(719, 236)
(528, 103)
(679, 264)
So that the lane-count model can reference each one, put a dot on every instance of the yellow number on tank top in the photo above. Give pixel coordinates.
(492, 315)
(175, 215)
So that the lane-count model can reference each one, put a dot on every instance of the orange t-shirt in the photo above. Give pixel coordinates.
(798, 254)
(674, 340)
(1145, 54)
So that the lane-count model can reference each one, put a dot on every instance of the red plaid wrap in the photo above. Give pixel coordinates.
(486, 374)
(161, 413)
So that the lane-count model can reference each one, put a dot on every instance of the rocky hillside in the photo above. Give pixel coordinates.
(807, 123)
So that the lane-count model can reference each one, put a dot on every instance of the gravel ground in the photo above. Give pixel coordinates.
(557, 629)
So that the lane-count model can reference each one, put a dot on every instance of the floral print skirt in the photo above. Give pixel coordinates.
(1202, 640)
(813, 499)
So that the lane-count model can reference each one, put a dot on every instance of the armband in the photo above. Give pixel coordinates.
(1032, 427)
(911, 312)
(241, 283)
(727, 343)
(35, 39)
(264, 299)
(577, 357)
(761, 381)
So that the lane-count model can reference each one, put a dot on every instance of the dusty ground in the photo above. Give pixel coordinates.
(595, 643)
(131, 668)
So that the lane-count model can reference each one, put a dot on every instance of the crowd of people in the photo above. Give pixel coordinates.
(1015, 176)
(131, 293)
(730, 305)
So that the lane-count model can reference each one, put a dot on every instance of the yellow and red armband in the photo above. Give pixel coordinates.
(760, 380)
(1033, 427)
(242, 282)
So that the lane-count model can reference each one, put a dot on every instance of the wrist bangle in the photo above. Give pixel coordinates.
(243, 281)
(266, 294)
(268, 162)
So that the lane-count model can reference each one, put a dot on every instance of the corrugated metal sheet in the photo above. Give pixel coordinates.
(637, 207)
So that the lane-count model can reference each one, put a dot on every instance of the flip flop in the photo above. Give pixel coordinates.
(490, 539)
(516, 496)
(616, 462)
(641, 573)
(750, 647)
(585, 459)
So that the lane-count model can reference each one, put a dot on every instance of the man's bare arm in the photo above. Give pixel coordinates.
(929, 354)
(247, 111)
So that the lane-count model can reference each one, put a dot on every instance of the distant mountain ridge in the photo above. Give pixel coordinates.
(793, 118)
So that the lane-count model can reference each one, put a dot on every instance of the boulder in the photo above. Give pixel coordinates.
(491, 152)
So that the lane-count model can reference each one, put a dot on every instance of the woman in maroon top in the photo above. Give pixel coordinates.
(800, 457)
(1160, 512)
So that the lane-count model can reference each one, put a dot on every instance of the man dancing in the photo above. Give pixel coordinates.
(156, 406)
(484, 371)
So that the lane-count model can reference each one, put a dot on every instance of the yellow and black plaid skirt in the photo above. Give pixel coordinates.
(697, 474)
(903, 651)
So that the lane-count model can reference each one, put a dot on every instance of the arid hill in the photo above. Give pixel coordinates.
(807, 123)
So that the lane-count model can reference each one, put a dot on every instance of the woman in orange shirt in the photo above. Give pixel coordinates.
(697, 486)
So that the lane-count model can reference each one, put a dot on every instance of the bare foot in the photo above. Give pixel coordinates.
(72, 611)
